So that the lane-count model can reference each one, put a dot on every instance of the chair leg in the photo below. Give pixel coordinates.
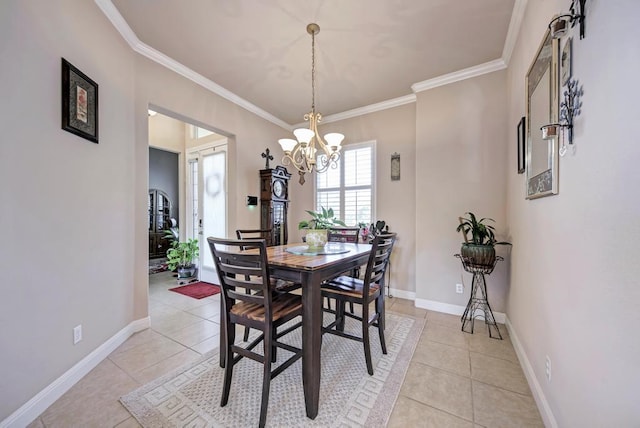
(224, 344)
(246, 329)
(228, 370)
(340, 318)
(355, 274)
(274, 347)
(365, 340)
(381, 322)
(266, 381)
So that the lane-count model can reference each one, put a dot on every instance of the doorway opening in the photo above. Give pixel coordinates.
(188, 192)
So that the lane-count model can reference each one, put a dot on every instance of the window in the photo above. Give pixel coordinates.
(197, 132)
(348, 189)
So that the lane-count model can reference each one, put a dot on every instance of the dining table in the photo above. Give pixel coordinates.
(311, 267)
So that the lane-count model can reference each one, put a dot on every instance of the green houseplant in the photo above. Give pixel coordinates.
(317, 227)
(369, 233)
(478, 248)
(181, 255)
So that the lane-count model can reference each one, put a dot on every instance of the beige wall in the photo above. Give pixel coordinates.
(461, 147)
(167, 133)
(575, 274)
(67, 257)
(248, 136)
(393, 130)
(75, 212)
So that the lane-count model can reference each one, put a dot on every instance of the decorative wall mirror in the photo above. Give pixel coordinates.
(542, 108)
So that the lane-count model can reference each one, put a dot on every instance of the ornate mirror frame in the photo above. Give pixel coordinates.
(542, 98)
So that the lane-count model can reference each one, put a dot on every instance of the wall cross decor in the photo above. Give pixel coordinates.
(268, 157)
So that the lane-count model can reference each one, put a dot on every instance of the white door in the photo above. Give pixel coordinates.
(207, 202)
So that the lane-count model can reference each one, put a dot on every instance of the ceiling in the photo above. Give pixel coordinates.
(367, 51)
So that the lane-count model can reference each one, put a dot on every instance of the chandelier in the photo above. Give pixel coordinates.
(308, 152)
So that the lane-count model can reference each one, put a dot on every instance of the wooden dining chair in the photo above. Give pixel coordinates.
(345, 234)
(279, 285)
(266, 234)
(362, 292)
(242, 265)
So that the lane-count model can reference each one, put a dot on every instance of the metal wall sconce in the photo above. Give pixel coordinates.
(571, 105)
(569, 109)
(560, 24)
(252, 201)
(551, 131)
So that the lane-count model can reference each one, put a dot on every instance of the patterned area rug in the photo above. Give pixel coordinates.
(190, 397)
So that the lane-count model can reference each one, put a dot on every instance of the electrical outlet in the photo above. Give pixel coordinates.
(547, 368)
(77, 334)
(459, 288)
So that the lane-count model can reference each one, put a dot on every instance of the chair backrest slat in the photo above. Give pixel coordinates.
(344, 234)
(266, 234)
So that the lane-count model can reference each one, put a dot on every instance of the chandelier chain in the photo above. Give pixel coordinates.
(313, 71)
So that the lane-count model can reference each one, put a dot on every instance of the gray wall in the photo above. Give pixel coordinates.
(461, 153)
(163, 175)
(575, 273)
(78, 216)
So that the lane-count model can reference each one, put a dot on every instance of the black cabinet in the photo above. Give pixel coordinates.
(159, 218)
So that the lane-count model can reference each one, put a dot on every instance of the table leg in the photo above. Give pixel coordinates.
(311, 341)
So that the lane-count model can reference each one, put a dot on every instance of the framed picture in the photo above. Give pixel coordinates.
(565, 62)
(521, 139)
(395, 167)
(79, 103)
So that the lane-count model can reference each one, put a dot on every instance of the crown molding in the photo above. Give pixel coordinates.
(519, 7)
(371, 108)
(112, 13)
(143, 49)
(138, 46)
(456, 76)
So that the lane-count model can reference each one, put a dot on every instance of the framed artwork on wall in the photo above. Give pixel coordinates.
(79, 103)
(395, 167)
(521, 149)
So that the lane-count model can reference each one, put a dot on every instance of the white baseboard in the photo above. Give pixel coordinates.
(402, 294)
(536, 389)
(448, 308)
(29, 411)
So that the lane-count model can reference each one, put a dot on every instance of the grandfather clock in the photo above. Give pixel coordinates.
(274, 202)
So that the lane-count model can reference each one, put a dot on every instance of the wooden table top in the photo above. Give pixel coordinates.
(278, 256)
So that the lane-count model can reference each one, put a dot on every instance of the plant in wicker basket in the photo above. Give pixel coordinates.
(478, 248)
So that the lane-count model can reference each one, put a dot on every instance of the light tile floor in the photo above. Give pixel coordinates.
(454, 379)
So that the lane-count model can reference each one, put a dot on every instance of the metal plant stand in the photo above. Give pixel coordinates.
(478, 301)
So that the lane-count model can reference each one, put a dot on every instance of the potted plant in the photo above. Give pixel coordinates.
(478, 249)
(181, 255)
(317, 227)
(172, 234)
(369, 233)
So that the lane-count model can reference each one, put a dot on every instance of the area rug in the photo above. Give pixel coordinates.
(349, 397)
(197, 290)
(157, 266)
